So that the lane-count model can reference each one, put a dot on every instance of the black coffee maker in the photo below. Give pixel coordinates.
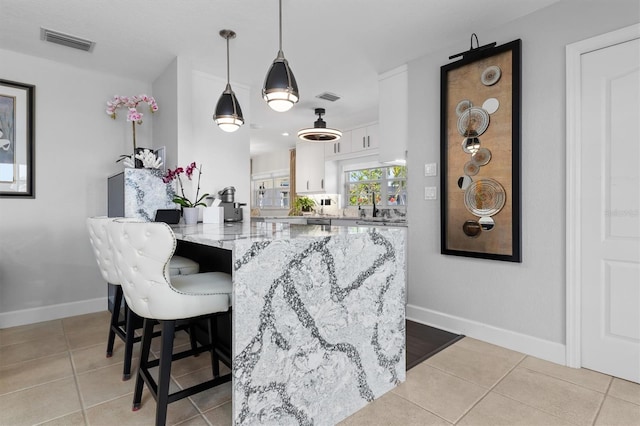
(232, 210)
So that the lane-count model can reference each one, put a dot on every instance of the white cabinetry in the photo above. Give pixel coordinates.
(310, 167)
(341, 147)
(393, 112)
(364, 138)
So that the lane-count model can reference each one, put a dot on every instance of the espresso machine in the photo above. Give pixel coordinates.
(232, 210)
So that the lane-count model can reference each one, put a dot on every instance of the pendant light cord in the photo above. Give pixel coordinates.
(227, 60)
(280, 18)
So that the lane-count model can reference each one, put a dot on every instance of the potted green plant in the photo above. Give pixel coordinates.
(303, 204)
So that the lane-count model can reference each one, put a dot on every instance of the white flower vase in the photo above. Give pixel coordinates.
(190, 215)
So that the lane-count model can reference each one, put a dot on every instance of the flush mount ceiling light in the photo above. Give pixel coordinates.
(280, 89)
(319, 132)
(228, 114)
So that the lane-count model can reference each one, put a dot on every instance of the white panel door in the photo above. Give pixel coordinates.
(610, 206)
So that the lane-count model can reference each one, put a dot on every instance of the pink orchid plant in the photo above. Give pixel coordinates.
(133, 115)
(175, 174)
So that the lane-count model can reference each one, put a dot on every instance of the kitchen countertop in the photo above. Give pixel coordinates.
(225, 235)
(399, 221)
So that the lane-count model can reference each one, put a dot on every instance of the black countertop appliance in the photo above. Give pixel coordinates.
(232, 210)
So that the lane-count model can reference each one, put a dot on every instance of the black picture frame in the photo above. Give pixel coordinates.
(481, 189)
(17, 124)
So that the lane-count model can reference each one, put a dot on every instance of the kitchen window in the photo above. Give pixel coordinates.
(270, 193)
(389, 184)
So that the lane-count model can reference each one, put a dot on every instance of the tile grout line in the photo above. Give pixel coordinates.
(537, 408)
(606, 393)
(417, 405)
(490, 389)
(39, 383)
(75, 377)
(568, 381)
(445, 372)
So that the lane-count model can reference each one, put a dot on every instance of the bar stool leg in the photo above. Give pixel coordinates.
(164, 373)
(213, 338)
(115, 317)
(147, 335)
(192, 338)
(128, 342)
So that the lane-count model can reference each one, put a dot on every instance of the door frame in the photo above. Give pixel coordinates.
(573, 259)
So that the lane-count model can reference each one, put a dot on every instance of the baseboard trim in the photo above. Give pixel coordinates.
(52, 312)
(534, 346)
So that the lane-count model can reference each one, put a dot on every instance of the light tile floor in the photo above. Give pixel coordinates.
(56, 373)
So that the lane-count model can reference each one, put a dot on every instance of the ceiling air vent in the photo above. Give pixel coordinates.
(331, 97)
(66, 40)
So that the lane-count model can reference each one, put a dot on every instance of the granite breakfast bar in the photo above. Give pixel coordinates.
(318, 324)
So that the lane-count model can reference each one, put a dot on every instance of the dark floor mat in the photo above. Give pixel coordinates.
(424, 341)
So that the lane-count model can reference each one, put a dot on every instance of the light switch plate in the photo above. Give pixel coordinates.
(431, 169)
(430, 192)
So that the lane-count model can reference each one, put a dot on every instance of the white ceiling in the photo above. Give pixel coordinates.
(339, 46)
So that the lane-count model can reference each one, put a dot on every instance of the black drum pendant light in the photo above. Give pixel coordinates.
(228, 115)
(319, 132)
(280, 89)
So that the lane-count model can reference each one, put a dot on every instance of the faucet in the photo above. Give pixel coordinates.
(375, 210)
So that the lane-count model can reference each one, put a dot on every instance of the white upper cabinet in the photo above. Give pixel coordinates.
(393, 113)
(310, 167)
(364, 138)
(335, 150)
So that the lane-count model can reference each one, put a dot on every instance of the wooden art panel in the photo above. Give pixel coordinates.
(480, 153)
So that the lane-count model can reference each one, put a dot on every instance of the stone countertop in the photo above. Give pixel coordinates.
(395, 220)
(225, 235)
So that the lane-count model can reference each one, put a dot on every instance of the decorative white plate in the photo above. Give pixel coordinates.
(462, 106)
(481, 157)
(491, 75)
(464, 182)
(491, 105)
(471, 169)
(470, 145)
(486, 223)
(485, 197)
(473, 122)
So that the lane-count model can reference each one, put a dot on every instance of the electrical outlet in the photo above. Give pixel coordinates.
(430, 192)
(431, 169)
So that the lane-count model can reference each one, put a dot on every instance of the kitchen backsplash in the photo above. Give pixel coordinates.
(330, 204)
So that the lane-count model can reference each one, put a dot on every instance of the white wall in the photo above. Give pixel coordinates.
(47, 267)
(517, 305)
(224, 156)
(190, 134)
(45, 255)
(277, 161)
(165, 127)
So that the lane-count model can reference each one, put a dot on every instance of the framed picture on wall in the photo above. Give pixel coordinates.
(17, 124)
(480, 154)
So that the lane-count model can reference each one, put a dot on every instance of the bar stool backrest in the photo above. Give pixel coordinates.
(142, 252)
(99, 238)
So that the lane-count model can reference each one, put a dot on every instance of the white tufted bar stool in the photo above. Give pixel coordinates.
(125, 329)
(142, 252)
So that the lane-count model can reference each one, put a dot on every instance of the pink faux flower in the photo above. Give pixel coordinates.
(190, 169)
(130, 102)
(134, 115)
(175, 175)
